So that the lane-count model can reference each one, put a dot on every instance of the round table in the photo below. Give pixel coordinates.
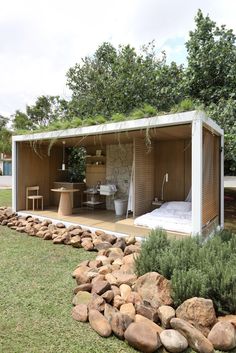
(65, 206)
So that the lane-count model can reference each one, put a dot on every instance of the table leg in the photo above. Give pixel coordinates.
(65, 207)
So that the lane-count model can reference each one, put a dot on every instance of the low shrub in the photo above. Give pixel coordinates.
(196, 267)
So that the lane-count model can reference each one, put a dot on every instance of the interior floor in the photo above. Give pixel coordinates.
(101, 219)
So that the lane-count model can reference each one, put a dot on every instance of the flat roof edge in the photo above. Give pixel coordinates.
(128, 125)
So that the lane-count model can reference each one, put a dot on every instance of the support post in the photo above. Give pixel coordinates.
(222, 182)
(14, 176)
(197, 160)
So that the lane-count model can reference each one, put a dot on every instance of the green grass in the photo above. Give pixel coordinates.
(5, 197)
(36, 293)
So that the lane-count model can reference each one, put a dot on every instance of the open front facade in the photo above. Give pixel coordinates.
(140, 163)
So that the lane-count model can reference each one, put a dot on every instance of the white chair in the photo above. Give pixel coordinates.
(33, 197)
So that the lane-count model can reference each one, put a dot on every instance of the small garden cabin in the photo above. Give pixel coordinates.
(150, 167)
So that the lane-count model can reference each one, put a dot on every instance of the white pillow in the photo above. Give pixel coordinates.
(178, 206)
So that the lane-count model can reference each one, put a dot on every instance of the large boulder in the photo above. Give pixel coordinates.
(196, 340)
(173, 341)
(128, 309)
(199, 312)
(99, 323)
(100, 287)
(223, 336)
(154, 289)
(140, 336)
(139, 318)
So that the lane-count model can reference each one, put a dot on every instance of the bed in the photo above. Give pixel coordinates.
(173, 216)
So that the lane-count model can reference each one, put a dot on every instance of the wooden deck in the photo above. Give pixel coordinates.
(100, 219)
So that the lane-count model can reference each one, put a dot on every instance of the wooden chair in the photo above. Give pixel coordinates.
(35, 196)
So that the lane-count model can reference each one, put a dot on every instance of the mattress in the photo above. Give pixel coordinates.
(173, 216)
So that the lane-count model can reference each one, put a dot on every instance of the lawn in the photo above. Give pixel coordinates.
(36, 292)
(5, 197)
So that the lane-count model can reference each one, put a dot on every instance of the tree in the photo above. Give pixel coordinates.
(211, 72)
(5, 136)
(46, 110)
(117, 81)
(21, 121)
(211, 78)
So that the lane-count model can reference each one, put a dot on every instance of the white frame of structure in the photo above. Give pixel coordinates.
(197, 119)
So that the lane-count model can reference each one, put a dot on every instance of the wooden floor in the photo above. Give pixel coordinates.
(101, 219)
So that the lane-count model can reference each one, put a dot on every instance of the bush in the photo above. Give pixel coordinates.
(195, 267)
(118, 117)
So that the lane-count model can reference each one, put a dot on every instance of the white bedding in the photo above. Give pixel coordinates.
(173, 216)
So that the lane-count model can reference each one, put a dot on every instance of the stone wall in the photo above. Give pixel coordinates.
(119, 159)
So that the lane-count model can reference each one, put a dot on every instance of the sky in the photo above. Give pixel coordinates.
(41, 40)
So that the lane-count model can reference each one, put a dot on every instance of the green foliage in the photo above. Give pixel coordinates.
(185, 105)
(120, 80)
(76, 164)
(5, 136)
(211, 72)
(118, 117)
(100, 119)
(195, 267)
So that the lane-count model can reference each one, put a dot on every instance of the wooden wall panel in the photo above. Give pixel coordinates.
(32, 169)
(211, 176)
(55, 174)
(143, 177)
(174, 158)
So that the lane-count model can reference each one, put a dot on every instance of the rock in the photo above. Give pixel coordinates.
(128, 309)
(99, 323)
(140, 336)
(230, 318)
(125, 291)
(115, 290)
(118, 301)
(106, 237)
(130, 240)
(81, 274)
(139, 318)
(109, 311)
(76, 241)
(146, 310)
(135, 299)
(132, 249)
(199, 312)
(100, 245)
(223, 336)
(165, 313)
(95, 263)
(82, 298)
(108, 296)
(114, 253)
(104, 259)
(84, 263)
(111, 279)
(104, 270)
(119, 323)
(87, 244)
(75, 232)
(124, 278)
(57, 240)
(100, 287)
(196, 340)
(86, 287)
(97, 303)
(60, 225)
(120, 243)
(80, 312)
(92, 273)
(128, 260)
(98, 278)
(173, 341)
(154, 289)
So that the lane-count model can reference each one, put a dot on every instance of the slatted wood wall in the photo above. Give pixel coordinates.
(31, 170)
(211, 176)
(174, 158)
(143, 177)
